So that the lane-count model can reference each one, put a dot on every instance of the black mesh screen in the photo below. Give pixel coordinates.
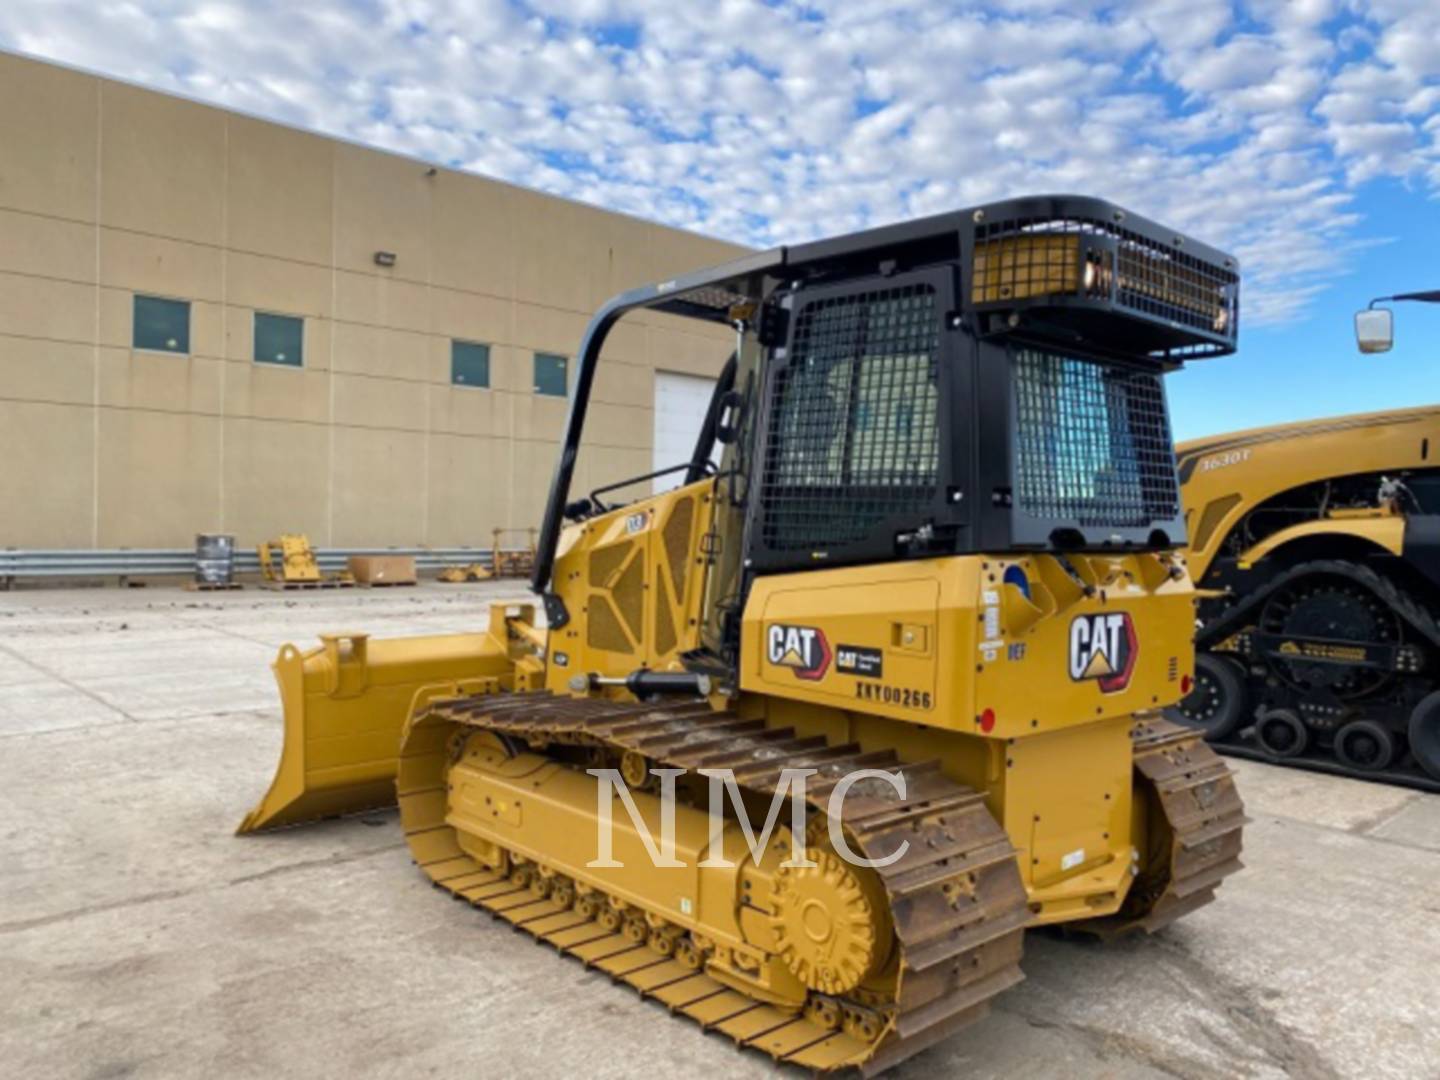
(1023, 258)
(1092, 443)
(853, 433)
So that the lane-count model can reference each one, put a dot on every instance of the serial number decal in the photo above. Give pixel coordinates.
(903, 696)
(859, 660)
(1220, 461)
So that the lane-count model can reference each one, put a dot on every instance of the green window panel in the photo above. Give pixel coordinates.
(161, 325)
(469, 363)
(552, 375)
(279, 339)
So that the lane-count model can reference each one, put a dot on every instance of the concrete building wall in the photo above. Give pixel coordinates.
(107, 190)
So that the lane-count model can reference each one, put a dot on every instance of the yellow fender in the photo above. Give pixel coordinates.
(1386, 531)
(346, 702)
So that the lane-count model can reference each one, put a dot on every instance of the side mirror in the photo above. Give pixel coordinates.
(1375, 330)
(731, 407)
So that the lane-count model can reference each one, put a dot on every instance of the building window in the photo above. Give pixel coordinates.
(469, 363)
(162, 325)
(552, 375)
(279, 339)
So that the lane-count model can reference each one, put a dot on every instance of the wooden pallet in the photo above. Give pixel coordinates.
(291, 586)
(384, 584)
(212, 586)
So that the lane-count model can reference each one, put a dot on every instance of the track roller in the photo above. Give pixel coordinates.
(1365, 745)
(1425, 733)
(1282, 734)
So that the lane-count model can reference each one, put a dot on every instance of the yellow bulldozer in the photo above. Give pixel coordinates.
(930, 600)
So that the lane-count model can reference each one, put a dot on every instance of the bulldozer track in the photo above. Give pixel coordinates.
(956, 898)
(1204, 820)
(957, 901)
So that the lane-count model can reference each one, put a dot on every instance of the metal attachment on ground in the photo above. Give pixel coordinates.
(289, 563)
(513, 561)
(457, 575)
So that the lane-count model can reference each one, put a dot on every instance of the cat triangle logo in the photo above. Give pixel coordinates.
(1104, 647)
(1098, 666)
(803, 649)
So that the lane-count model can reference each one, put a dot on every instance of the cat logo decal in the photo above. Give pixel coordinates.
(803, 649)
(1104, 647)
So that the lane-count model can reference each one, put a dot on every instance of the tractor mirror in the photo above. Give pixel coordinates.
(1374, 330)
(731, 406)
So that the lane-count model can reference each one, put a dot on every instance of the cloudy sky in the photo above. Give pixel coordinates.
(1302, 134)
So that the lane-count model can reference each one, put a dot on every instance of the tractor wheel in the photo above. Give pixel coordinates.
(1425, 733)
(1282, 734)
(1365, 746)
(1219, 702)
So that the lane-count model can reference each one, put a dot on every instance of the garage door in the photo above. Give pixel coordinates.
(680, 405)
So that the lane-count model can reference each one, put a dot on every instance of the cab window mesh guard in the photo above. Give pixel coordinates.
(854, 435)
(1092, 443)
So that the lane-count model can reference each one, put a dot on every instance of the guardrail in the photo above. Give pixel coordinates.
(158, 562)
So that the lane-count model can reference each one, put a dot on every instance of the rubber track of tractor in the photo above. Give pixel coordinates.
(1420, 620)
(957, 900)
(1243, 612)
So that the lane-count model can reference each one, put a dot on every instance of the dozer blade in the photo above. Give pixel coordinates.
(345, 704)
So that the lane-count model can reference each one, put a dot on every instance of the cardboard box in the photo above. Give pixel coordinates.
(383, 569)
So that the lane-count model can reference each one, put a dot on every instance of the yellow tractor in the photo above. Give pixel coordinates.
(1319, 547)
(929, 600)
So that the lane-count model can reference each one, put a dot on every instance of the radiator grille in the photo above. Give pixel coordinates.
(629, 597)
(853, 437)
(605, 561)
(602, 628)
(677, 545)
(664, 623)
(1092, 443)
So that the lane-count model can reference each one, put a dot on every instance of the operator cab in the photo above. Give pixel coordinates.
(988, 380)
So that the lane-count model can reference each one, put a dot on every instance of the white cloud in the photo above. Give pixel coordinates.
(1246, 122)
